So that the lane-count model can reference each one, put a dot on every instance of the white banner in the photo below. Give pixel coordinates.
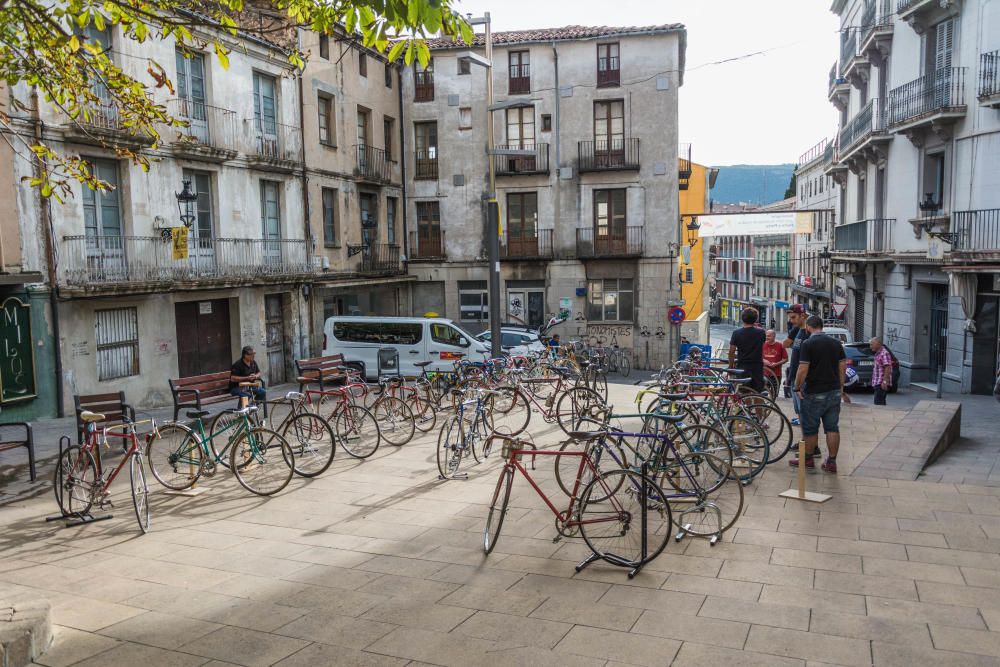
(754, 224)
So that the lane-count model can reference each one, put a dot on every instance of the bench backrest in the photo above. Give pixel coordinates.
(309, 367)
(112, 406)
(208, 386)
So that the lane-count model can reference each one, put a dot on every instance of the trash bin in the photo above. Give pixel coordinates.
(388, 361)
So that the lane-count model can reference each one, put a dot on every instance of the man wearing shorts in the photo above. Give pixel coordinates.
(819, 384)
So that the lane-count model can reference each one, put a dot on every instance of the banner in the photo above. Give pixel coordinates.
(179, 240)
(755, 224)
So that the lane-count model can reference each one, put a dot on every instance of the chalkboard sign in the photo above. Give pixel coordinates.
(17, 353)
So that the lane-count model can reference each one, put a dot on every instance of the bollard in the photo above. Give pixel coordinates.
(801, 493)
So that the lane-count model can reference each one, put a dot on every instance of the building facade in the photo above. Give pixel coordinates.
(585, 120)
(694, 200)
(918, 92)
(819, 194)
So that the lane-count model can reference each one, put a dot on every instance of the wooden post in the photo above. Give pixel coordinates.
(801, 493)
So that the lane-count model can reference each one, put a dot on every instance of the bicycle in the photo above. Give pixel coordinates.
(565, 405)
(311, 437)
(618, 361)
(463, 435)
(80, 481)
(355, 426)
(416, 393)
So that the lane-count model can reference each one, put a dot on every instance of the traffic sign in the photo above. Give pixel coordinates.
(676, 315)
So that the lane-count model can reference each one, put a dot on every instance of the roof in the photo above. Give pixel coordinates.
(556, 34)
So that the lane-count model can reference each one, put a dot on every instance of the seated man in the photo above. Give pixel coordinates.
(245, 369)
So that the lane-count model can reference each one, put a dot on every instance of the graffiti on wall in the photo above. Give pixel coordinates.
(892, 335)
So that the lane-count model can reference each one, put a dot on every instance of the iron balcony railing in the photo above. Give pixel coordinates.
(519, 165)
(373, 164)
(381, 258)
(813, 152)
(848, 47)
(870, 237)
(101, 114)
(608, 155)
(605, 242)
(425, 165)
(520, 79)
(771, 269)
(684, 165)
(102, 260)
(989, 74)
(875, 14)
(609, 71)
(829, 154)
(528, 245)
(834, 76)
(427, 243)
(905, 5)
(208, 126)
(937, 91)
(423, 86)
(870, 120)
(976, 230)
(275, 142)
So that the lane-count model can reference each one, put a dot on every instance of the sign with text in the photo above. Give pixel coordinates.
(179, 241)
(17, 356)
(755, 224)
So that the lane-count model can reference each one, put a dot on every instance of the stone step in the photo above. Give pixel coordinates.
(25, 631)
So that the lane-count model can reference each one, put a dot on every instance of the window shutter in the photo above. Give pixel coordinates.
(943, 43)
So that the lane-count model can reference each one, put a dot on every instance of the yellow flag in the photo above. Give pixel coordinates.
(179, 239)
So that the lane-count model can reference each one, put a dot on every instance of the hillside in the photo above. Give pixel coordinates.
(752, 183)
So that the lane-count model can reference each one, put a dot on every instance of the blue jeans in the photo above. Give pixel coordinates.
(823, 407)
(259, 394)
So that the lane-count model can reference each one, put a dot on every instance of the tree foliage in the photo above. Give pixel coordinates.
(790, 190)
(54, 48)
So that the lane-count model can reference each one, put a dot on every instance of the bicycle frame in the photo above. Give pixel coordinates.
(132, 449)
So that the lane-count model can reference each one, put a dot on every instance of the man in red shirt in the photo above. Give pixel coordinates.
(775, 357)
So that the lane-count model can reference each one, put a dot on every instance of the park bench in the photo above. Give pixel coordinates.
(322, 371)
(10, 439)
(198, 391)
(112, 406)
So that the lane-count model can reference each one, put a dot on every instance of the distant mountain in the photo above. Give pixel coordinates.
(752, 183)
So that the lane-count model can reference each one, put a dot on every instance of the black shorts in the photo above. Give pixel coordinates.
(756, 375)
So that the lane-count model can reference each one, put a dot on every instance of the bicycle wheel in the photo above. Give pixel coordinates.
(312, 443)
(424, 414)
(74, 481)
(451, 447)
(356, 431)
(394, 419)
(629, 527)
(775, 423)
(262, 461)
(707, 506)
(140, 492)
(749, 444)
(175, 456)
(578, 407)
(218, 439)
(700, 439)
(568, 467)
(600, 384)
(498, 509)
(624, 365)
(511, 409)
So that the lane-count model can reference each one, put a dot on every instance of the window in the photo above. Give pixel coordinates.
(446, 335)
(202, 228)
(546, 122)
(270, 214)
(425, 145)
(378, 332)
(191, 93)
(473, 300)
(117, 335)
(429, 240)
(324, 47)
(934, 178)
(401, 334)
(609, 214)
(391, 204)
(265, 113)
(522, 218)
(862, 196)
(388, 132)
(327, 133)
(610, 300)
(423, 82)
(363, 65)
(464, 66)
(519, 68)
(689, 275)
(368, 203)
(364, 127)
(331, 220)
(388, 75)
(521, 127)
(464, 118)
(102, 210)
(609, 125)
(608, 65)
(938, 45)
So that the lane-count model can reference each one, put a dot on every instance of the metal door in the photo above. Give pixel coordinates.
(938, 339)
(274, 324)
(984, 345)
(203, 337)
(536, 309)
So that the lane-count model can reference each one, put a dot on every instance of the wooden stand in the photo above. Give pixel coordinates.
(802, 494)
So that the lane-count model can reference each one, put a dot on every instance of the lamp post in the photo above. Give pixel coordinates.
(692, 231)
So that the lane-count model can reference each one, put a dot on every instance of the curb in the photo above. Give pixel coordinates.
(25, 632)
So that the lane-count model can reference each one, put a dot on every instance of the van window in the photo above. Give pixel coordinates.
(510, 339)
(357, 332)
(402, 334)
(444, 334)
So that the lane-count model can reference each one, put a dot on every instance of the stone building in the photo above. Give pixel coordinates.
(819, 194)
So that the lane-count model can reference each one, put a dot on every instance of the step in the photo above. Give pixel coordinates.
(25, 631)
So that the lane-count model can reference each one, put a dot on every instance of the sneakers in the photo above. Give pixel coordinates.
(817, 454)
(794, 463)
(795, 421)
(830, 466)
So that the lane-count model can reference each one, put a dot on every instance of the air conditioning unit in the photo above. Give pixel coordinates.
(321, 263)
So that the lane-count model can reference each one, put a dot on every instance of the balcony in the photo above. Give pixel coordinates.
(427, 244)
(99, 123)
(840, 91)
(922, 15)
(608, 155)
(934, 99)
(212, 134)
(520, 79)
(591, 245)
(146, 263)
(865, 238)
(832, 164)
(276, 147)
(854, 65)
(976, 232)
(989, 79)
(423, 86)
(684, 167)
(425, 165)
(536, 246)
(380, 259)
(771, 269)
(609, 72)
(866, 134)
(813, 153)
(510, 165)
(373, 164)
(876, 29)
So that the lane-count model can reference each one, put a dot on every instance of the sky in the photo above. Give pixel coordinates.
(761, 109)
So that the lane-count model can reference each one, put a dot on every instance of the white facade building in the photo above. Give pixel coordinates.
(819, 193)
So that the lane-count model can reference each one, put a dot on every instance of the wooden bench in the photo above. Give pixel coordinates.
(323, 371)
(198, 391)
(9, 440)
(112, 406)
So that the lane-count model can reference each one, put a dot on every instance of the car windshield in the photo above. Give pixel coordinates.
(859, 350)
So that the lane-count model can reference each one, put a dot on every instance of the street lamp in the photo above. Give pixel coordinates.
(185, 203)
(692, 231)
(825, 258)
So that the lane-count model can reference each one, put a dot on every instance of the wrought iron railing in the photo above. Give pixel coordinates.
(684, 164)
(609, 71)
(936, 91)
(771, 269)
(606, 242)
(208, 125)
(101, 260)
(381, 258)
(608, 155)
(373, 164)
(905, 5)
(976, 230)
(517, 165)
(813, 152)
(989, 73)
(520, 79)
(423, 86)
(848, 47)
(536, 245)
(867, 122)
(425, 165)
(275, 142)
(872, 236)
(876, 14)
(834, 76)
(427, 244)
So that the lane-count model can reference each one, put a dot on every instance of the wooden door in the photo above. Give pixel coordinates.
(203, 337)
(274, 323)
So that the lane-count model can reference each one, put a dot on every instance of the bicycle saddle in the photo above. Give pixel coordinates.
(88, 416)
(423, 364)
(245, 411)
(196, 414)
(732, 371)
(674, 397)
(583, 363)
(295, 396)
(670, 419)
(740, 380)
(586, 435)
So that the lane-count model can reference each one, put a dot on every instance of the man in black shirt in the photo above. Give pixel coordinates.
(746, 349)
(245, 369)
(819, 383)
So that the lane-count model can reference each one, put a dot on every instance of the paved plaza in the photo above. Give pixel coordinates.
(378, 562)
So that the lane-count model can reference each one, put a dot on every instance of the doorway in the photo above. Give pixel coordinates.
(938, 339)
(274, 328)
(984, 344)
(204, 342)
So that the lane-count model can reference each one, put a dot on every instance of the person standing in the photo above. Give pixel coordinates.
(746, 349)
(775, 357)
(882, 372)
(819, 383)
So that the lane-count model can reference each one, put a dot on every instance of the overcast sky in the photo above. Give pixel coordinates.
(763, 109)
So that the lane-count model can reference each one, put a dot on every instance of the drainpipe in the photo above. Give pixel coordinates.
(402, 166)
(45, 213)
(555, 132)
(310, 243)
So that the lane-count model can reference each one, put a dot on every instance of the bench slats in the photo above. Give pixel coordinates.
(197, 391)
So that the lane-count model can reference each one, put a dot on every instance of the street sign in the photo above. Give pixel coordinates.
(676, 315)
(782, 305)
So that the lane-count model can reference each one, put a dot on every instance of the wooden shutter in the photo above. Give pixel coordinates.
(943, 43)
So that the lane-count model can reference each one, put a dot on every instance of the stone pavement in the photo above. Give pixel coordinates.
(379, 563)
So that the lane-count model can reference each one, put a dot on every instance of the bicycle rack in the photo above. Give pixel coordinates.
(74, 518)
(700, 507)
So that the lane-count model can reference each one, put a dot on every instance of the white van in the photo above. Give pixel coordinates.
(438, 340)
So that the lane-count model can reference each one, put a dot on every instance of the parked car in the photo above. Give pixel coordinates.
(862, 359)
(840, 333)
(515, 340)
